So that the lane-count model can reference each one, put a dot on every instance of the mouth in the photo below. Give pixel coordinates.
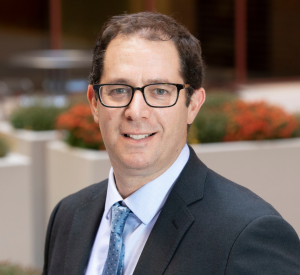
(138, 137)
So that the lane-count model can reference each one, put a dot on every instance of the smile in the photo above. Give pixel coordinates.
(138, 137)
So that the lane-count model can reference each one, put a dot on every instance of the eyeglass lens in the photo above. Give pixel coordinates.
(161, 95)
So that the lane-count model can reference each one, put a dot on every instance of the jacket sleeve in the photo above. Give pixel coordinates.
(268, 245)
(48, 240)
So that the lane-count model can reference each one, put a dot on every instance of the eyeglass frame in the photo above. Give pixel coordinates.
(96, 88)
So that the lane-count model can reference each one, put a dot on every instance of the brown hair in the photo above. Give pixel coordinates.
(153, 26)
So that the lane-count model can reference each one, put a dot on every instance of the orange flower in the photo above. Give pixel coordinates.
(81, 128)
(257, 121)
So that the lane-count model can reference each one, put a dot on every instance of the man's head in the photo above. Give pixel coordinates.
(142, 141)
(153, 27)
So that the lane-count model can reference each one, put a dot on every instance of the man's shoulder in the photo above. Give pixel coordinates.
(221, 195)
(84, 196)
(249, 226)
(232, 203)
(81, 210)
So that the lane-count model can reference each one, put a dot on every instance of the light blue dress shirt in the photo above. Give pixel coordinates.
(145, 204)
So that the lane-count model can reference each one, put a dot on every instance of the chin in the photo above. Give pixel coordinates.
(136, 162)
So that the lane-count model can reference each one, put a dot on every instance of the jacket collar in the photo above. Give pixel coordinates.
(174, 220)
(190, 184)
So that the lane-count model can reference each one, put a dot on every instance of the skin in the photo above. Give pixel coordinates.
(137, 62)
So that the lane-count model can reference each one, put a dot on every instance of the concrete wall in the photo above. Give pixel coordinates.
(33, 145)
(16, 217)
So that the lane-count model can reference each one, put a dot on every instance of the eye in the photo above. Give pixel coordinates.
(118, 91)
(160, 91)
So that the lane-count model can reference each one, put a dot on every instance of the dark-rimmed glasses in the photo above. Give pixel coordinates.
(158, 95)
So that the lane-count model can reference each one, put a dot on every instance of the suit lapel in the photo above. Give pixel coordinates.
(174, 220)
(83, 232)
(171, 225)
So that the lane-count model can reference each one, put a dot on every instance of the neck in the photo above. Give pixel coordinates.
(127, 183)
(130, 179)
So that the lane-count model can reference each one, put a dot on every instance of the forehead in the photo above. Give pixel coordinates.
(137, 59)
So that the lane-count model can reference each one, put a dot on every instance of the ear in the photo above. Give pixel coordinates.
(197, 100)
(93, 102)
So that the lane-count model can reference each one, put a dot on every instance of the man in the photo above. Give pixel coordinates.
(161, 211)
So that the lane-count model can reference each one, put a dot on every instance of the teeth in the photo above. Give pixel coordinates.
(137, 137)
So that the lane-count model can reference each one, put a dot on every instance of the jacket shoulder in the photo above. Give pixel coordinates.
(237, 227)
(234, 200)
(83, 196)
(89, 201)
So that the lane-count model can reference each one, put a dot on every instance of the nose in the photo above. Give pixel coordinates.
(138, 108)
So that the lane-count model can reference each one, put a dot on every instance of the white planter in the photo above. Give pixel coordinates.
(268, 168)
(33, 145)
(271, 169)
(71, 169)
(16, 217)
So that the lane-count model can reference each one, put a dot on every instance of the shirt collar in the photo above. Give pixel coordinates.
(147, 201)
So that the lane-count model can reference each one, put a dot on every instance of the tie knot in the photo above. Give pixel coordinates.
(119, 217)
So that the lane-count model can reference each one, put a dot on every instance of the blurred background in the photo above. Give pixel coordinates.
(241, 40)
(251, 51)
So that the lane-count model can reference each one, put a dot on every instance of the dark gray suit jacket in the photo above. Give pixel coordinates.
(208, 225)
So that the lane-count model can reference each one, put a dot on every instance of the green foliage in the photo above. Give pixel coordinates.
(36, 118)
(210, 123)
(215, 100)
(221, 110)
(297, 132)
(10, 269)
(4, 148)
(211, 126)
(74, 141)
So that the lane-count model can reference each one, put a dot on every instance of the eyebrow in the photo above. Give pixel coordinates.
(157, 80)
(128, 82)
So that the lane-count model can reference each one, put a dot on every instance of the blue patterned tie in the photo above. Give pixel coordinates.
(115, 258)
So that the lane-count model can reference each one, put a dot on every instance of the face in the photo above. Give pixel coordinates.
(137, 62)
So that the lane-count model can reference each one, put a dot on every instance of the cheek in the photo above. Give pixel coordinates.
(179, 124)
(105, 121)
(172, 122)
